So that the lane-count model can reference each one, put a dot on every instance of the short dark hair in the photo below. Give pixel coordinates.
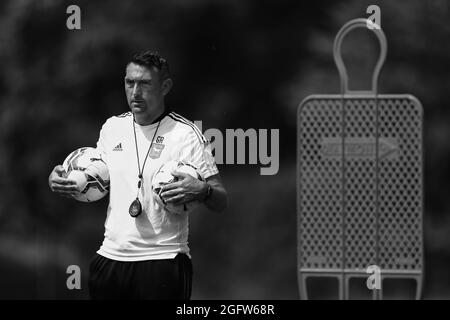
(151, 59)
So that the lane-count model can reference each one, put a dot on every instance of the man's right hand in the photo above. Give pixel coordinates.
(61, 185)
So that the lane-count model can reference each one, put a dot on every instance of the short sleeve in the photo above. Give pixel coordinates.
(101, 142)
(197, 151)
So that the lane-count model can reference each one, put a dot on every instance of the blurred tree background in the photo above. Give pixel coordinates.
(235, 64)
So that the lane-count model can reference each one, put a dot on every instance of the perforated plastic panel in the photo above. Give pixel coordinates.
(320, 226)
(360, 198)
(341, 227)
(401, 186)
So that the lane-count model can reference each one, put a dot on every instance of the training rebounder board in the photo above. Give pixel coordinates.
(359, 182)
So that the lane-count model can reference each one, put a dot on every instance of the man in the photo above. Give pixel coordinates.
(145, 253)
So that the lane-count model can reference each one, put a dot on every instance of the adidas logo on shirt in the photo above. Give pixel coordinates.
(118, 147)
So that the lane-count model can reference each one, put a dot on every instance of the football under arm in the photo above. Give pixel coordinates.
(218, 200)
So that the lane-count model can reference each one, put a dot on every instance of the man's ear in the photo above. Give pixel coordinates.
(166, 86)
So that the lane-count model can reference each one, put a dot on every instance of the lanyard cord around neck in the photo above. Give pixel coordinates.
(141, 172)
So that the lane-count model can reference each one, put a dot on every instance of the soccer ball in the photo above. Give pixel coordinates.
(89, 170)
(164, 176)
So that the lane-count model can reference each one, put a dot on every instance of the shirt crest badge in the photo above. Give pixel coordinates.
(156, 150)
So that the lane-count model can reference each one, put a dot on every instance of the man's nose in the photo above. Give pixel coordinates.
(136, 90)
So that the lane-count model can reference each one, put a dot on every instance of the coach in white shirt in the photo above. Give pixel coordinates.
(145, 253)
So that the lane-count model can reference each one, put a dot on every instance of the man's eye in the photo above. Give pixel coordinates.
(129, 83)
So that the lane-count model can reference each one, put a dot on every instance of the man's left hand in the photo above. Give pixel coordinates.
(184, 190)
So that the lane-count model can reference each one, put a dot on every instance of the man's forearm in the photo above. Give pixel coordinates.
(217, 201)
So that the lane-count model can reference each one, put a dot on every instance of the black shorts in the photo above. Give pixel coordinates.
(169, 279)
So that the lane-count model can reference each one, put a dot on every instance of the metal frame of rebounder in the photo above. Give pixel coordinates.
(359, 182)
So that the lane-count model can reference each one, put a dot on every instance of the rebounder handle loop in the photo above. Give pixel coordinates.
(349, 26)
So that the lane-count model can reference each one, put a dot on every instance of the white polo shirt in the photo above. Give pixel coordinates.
(156, 233)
